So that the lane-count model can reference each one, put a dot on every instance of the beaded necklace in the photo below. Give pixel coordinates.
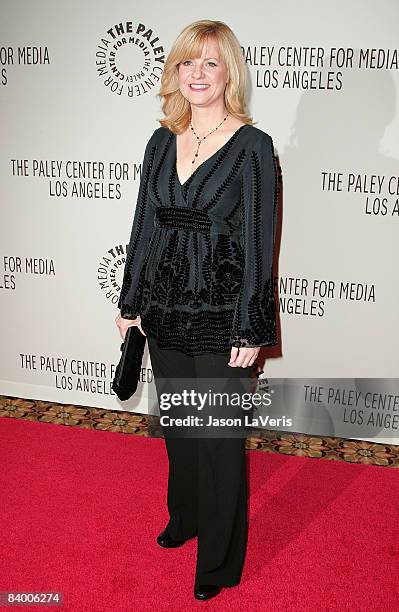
(203, 138)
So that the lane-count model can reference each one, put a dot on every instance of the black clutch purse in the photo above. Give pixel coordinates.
(128, 369)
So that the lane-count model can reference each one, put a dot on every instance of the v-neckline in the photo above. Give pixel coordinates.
(205, 160)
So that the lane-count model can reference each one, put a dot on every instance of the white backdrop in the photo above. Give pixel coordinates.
(78, 104)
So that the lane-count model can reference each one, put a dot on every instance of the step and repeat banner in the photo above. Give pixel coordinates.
(79, 84)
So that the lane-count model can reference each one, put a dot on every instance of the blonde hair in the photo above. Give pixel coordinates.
(188, 44)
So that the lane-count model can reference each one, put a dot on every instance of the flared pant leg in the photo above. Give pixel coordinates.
(182, 496)
(222, 511)
(207, 481)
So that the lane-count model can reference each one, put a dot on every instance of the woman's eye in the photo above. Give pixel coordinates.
(209, 63)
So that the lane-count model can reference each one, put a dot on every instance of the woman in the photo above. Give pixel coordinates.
(198, 280)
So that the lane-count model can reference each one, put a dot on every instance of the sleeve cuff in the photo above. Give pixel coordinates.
(127, 312)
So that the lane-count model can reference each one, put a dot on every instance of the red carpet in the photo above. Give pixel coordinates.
(81, 510)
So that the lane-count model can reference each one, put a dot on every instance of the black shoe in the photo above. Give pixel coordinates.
(206, 591)
(166, 541)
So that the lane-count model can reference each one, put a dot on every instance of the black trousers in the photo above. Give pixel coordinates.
(207, 481)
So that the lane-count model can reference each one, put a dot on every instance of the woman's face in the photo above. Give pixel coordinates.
(202, 80)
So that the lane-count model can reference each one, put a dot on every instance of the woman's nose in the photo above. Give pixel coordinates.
(197, 71)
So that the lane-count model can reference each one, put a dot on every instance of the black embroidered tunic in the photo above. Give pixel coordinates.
(199, 262)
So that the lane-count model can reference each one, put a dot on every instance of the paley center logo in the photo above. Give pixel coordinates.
(130, 59)
(110, 271)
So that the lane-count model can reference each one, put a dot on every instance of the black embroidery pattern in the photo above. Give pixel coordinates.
(130, 311)
(222, 156)
(261, 308)
(191, 288)
(180, 330)
(221, 276)
(262, 314)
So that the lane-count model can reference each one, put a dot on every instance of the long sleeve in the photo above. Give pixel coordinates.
(254, 322)
(142, 228)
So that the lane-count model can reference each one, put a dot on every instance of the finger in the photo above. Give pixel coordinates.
(233, 355)
(254, 356)
(245, 357)
(249, 360)
(239, 361)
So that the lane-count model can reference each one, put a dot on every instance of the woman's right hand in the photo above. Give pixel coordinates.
(123, 324)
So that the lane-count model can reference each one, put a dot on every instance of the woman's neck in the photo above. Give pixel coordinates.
(204, 120)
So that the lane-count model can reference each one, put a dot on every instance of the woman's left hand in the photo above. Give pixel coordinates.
(243, 357)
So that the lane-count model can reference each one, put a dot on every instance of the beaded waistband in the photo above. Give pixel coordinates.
(190, 219)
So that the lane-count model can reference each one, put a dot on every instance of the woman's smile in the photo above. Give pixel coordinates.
(198, 87)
